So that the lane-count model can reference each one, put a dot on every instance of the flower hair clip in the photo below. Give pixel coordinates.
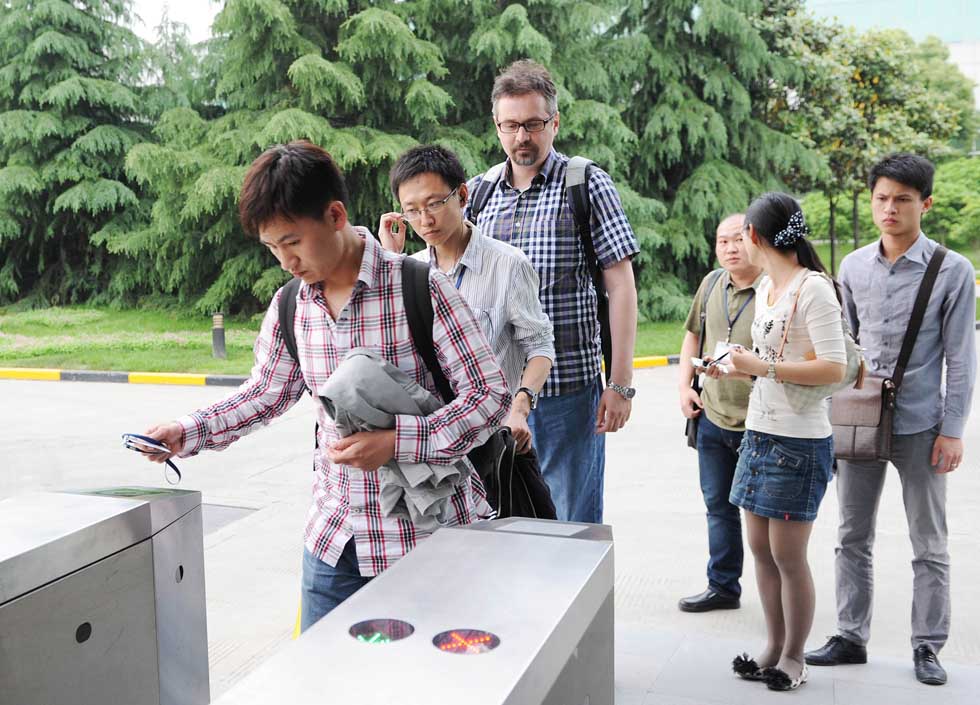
(794, 231)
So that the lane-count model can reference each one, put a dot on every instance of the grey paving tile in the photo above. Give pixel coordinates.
(642, 653)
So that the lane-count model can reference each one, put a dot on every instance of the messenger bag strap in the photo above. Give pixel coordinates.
(695, 383)
(918, 313)
(704, 308)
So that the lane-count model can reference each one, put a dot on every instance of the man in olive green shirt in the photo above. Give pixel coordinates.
(720, 408)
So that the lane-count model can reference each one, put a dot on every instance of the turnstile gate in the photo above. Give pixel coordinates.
(102, 599)
(512, 612)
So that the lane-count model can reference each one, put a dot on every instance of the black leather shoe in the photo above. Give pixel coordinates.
(928, 670)
(707, 601)
(837, 651)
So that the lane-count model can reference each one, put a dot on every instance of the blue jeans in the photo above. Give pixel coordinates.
(325, 586)
(572, 456)
(717, 458)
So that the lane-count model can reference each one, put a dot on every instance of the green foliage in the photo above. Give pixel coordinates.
(700, 82)
(955, 215)
(69, 111)
(120, 163)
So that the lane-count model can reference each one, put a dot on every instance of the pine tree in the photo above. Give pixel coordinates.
(365, 80)
(69, 111)
(701, 88)
(351, 77)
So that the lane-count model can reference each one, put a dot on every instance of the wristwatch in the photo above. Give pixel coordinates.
(531, 395)
(772, 371)
(625, 392)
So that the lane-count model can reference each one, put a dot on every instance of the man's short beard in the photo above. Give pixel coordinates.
(530, 160)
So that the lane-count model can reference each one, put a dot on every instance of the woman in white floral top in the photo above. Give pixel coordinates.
(786, 457)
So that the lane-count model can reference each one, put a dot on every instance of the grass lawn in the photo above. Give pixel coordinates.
(83, 338)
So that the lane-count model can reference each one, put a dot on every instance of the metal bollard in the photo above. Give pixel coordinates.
(218, 336)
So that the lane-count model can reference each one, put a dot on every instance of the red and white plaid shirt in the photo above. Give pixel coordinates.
(345, 500)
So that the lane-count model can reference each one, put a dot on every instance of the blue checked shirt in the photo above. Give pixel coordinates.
(540, 222)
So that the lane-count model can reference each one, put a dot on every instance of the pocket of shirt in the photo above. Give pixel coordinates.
(485, 321)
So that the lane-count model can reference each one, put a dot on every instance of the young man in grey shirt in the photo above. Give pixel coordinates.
(879, 283)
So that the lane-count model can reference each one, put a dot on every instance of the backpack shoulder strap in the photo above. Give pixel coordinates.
(418, 309)
(287, 317)
(481, 194)
(577, 195)
(918, 313)
(715, 276)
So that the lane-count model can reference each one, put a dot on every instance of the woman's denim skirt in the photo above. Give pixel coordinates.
(781, 477)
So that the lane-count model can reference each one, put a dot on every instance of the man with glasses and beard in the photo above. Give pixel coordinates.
(528, 209)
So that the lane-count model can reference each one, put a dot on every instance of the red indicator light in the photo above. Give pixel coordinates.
(466, 641)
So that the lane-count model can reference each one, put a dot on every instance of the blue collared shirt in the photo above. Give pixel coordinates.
(878, 300)
(539, 222)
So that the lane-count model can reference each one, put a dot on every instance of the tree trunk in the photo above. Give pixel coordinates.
(855, 226)
(832, 231)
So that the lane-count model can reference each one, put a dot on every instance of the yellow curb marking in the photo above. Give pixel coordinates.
(29, 373)
(640, 363)
(165, 378)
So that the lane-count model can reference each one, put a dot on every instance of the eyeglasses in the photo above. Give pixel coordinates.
(509, 127)
(413, 214)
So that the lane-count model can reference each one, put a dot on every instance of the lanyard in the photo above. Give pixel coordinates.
(150, 446)
(733, 321)
(459, 278)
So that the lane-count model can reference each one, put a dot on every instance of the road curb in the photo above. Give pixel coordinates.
(50, 375)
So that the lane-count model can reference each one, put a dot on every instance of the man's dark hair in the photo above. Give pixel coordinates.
(907, 169)
(427, 159)
(291, 181)
(524, 77)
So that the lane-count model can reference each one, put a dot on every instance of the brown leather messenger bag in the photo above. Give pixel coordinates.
(862, 418)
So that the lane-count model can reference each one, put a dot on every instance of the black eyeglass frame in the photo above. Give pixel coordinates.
(526, 124)
(413, 214)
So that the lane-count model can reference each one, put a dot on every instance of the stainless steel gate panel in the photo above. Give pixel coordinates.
(102, 598)
(181, 619)
(41, 659)
(543, 588)
(49, 535)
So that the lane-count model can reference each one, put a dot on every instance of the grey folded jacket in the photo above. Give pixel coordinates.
(365, 393)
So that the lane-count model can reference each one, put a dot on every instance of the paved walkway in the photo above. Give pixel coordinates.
(61, 435)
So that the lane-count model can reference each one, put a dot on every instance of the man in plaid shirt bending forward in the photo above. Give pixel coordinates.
(294, 197)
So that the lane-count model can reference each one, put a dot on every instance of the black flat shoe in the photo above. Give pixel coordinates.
(778, 679)
(928, 670)
(707, 601)
(747, 668)
(837, 651)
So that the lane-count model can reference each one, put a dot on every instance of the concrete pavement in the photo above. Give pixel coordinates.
(66, 435)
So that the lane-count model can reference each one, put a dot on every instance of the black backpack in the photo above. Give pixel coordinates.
(510, 493)
(577, 196)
